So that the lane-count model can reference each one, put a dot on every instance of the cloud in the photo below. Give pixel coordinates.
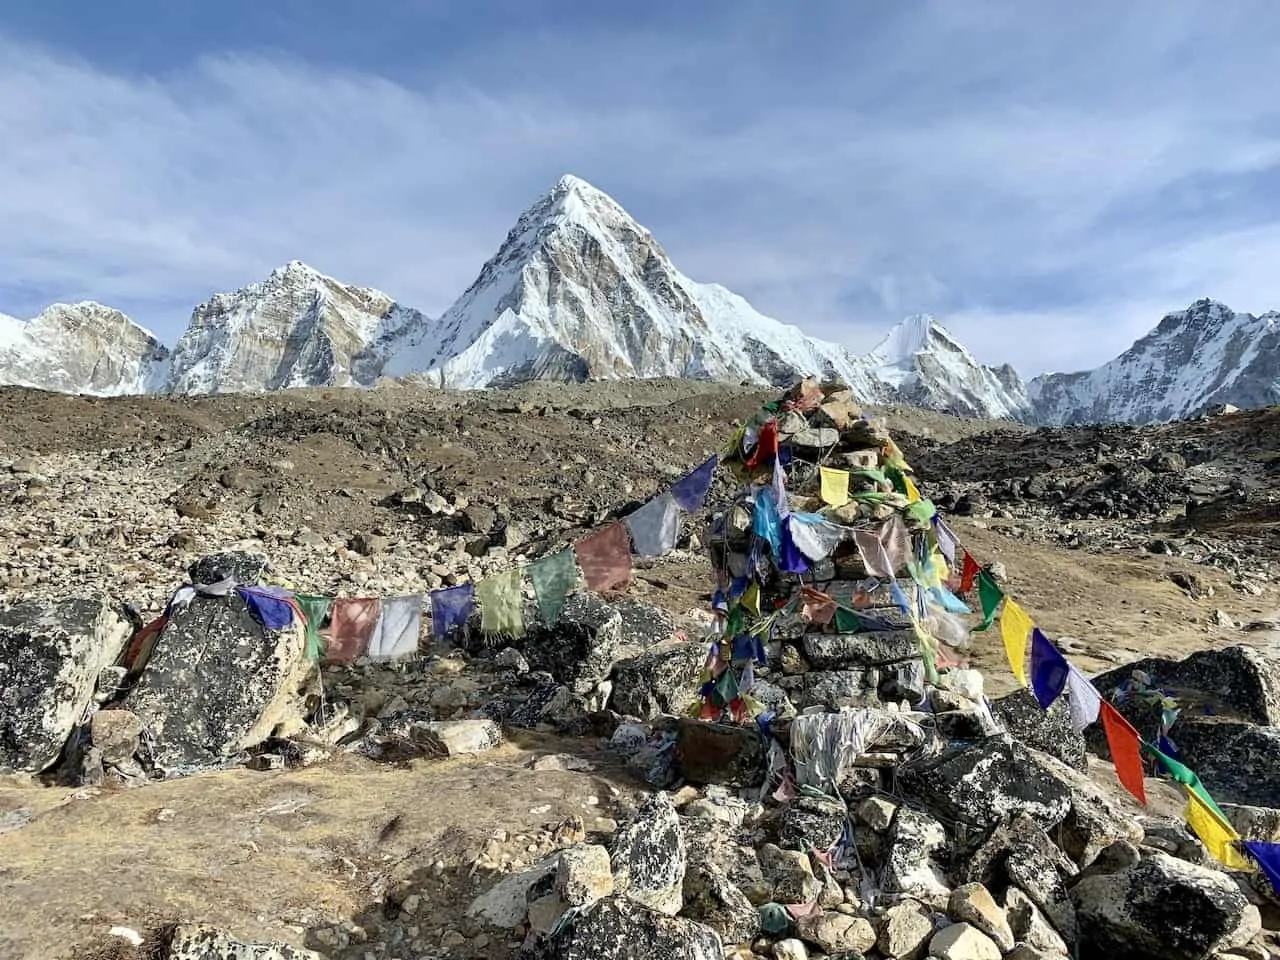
(1048, 181)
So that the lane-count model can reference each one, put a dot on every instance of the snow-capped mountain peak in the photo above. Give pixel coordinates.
(908, 337)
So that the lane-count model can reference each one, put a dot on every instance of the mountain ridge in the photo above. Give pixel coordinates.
(579, 290)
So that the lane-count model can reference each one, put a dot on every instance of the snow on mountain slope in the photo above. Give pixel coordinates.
(580, 290)
(928, 367)
(1194, 359)
(81, 348)
(297, 328)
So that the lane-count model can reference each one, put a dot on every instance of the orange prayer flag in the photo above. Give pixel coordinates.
(1123, 742)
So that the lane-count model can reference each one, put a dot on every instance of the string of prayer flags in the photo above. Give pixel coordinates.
(1049, 669)
(1084, 699)
(605, 558)
(315, 610)
(989, 595)
(553, 577)
(501, 604)
(1266, 856)
(451, 608)
(351, 625)
(1124, 744)
(398, 628)
(690, 491)
(1186, 776)
(655, 527)
(834, 486)
(1015, 628)
(1218, 836)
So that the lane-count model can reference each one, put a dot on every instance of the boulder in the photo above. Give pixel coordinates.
(837, 933)
(1160, 906)
(1096, 818)
(644, 625)
(241, 567)
(1246, 770)
(453, 738)
(199, 942)
(506, 904)
(790, 875)
(720, 753)
(712, 851)
(1238, 677)
(903, 681)
(219, 682)
(1030, 927)
(661, 680)
(905, 932)
(986, 783)
(817, 821)
(909, 868)
(580, 649)
(835, 689)
(960, 941)
(1048, 731)
(836, 651)
(51, 653)
(116, 733)
(584, 874)
(649, 856)
(617, 928)
(974, 905)
(711, 897)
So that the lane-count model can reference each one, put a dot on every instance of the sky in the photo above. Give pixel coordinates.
(1047, 179)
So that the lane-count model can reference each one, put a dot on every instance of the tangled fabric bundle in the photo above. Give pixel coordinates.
(826, 746)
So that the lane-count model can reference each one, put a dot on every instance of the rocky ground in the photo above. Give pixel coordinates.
(1123, 543)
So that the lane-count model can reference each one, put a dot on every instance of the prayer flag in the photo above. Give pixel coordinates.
(766, 523)
(969, 573)
(1049, 669)
(780, 490)
(270, 606)
(947, 540)
(814, 535)
(816, 606)
(1085, 701)
(1123, 742)
(605, 558)
(1218, 836)
(314, 609)
(791, 559)
(501, 604)
(1187, 777)
(451, 608)
(398, 628)
(751, 599)
(989, 595)
(910, 490)
(834, 486)
(655, 526)
(1267, 856)
(766, 450)
(552, 578)
(690, 492)
(350, 628)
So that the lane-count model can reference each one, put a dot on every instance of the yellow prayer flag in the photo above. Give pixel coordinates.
(912, 493)
(751, 599)
(1015, 627)
(835, 486)
(1216, 834)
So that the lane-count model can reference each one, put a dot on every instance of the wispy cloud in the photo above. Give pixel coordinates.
(1047, 180)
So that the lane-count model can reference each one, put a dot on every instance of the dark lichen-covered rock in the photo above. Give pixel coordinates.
(662, 680)
(835, 689)
(643, 625)
(711, 897)
(910, 867)
(986, 783)
(818, 821)
(616, 928)
(649, 856)
(1246, 769)
(720, 753)
(580, 649)
(834, 651)
(242, 568)
(199, 942)
(219, 682)
(1160, 906)
(51, 653)
(1049, 730)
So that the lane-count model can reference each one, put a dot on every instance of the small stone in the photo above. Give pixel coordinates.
(973, 904)
(790, 949)
(584, 875)
(837, 933)
(877, 813)
(906, 931)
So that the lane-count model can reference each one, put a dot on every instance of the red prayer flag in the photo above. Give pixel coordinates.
(605, 558)
(1123, 742)
(350, 628)
(766, 445)
(969, 573)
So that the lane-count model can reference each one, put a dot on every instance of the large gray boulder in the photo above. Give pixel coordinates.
(219, 682)
(200, 942)
(580, 649)
(1049, 731)
(1159, 906)
(51, 653)
(661, 680)
(649, 856)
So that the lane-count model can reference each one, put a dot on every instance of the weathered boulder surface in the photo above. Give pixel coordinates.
(828, 651)
(986, 783)
(1160, 906)
(720, 753)
(51, 653)
(661, 680)
(218, 682)
(1049, 731)
(199, 942)
(617, 928)
(649, 856)
(580, 649)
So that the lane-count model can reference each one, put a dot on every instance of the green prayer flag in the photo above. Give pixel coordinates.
(847, 621)
(553, 578)
(897, 478)
(990, 596)
(1184, 775)
(727, 688)
(315, 609)
(501, 604)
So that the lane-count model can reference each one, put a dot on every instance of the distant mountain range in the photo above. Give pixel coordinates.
(579, 290)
